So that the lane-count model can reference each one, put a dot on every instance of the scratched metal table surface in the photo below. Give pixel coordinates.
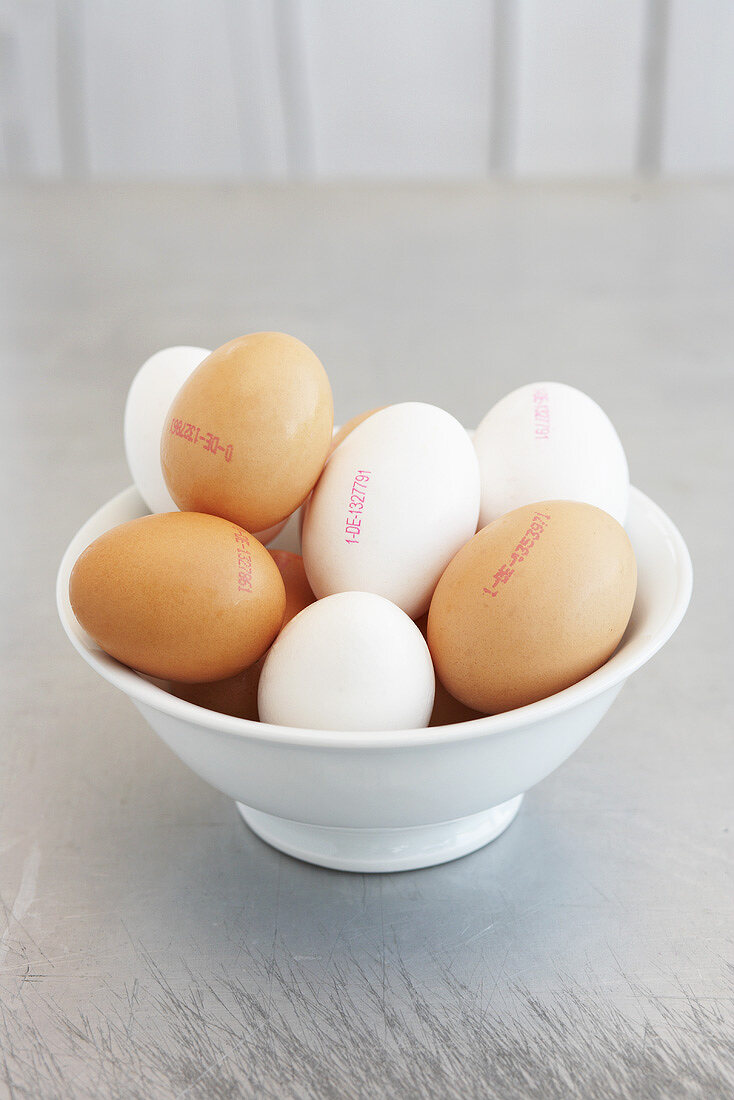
(151, 946)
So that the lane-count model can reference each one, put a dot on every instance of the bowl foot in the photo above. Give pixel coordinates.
(382, 849)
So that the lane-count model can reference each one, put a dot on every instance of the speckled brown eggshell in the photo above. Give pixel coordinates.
(248, 433)
(237, 695)
(534, 602)
(179, 596)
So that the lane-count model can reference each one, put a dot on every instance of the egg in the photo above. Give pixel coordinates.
(148, 401)
(237, 695)
(248, 433)
(339, 436)
(351, 661)
(298, 592)
(447, 711)
(346, 429)
(179, 596)
(534, 602)
(398, 497)
(549, 441)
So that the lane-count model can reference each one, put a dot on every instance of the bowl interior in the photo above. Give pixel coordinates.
(663, 593)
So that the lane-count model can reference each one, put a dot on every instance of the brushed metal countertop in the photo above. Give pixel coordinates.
(153, 947)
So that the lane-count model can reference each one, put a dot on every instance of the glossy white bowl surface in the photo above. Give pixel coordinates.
(395, 800)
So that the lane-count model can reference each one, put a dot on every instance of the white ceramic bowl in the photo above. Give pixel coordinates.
(390, 801)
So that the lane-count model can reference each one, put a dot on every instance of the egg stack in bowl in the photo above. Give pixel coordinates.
(441, 578)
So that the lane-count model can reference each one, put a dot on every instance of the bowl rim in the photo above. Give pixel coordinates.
(617, 669)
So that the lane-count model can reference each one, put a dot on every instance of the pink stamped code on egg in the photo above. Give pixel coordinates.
(192, 433)
(355, 511)
(244, 561)
(541, 414)
(525, 545)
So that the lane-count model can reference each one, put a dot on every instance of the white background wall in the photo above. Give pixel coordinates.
(329, 88)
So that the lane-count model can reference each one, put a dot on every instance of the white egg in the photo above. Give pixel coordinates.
(397, 499)
(352, 661)
(549, 441)
(149, 398)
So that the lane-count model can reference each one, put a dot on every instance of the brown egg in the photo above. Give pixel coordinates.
(237, 695)
(248, 433)
(179, 595)
(447, 711)
(531, 604)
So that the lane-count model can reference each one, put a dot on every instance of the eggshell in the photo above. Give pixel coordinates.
(533, 603)
(298, 592)
(237, 695)
(549, 441)
(352, 661)
(248, 434)
(347, 429)
(447, 711)
(395, 502)
(338, 437)
(179, 595)
(148, 401)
